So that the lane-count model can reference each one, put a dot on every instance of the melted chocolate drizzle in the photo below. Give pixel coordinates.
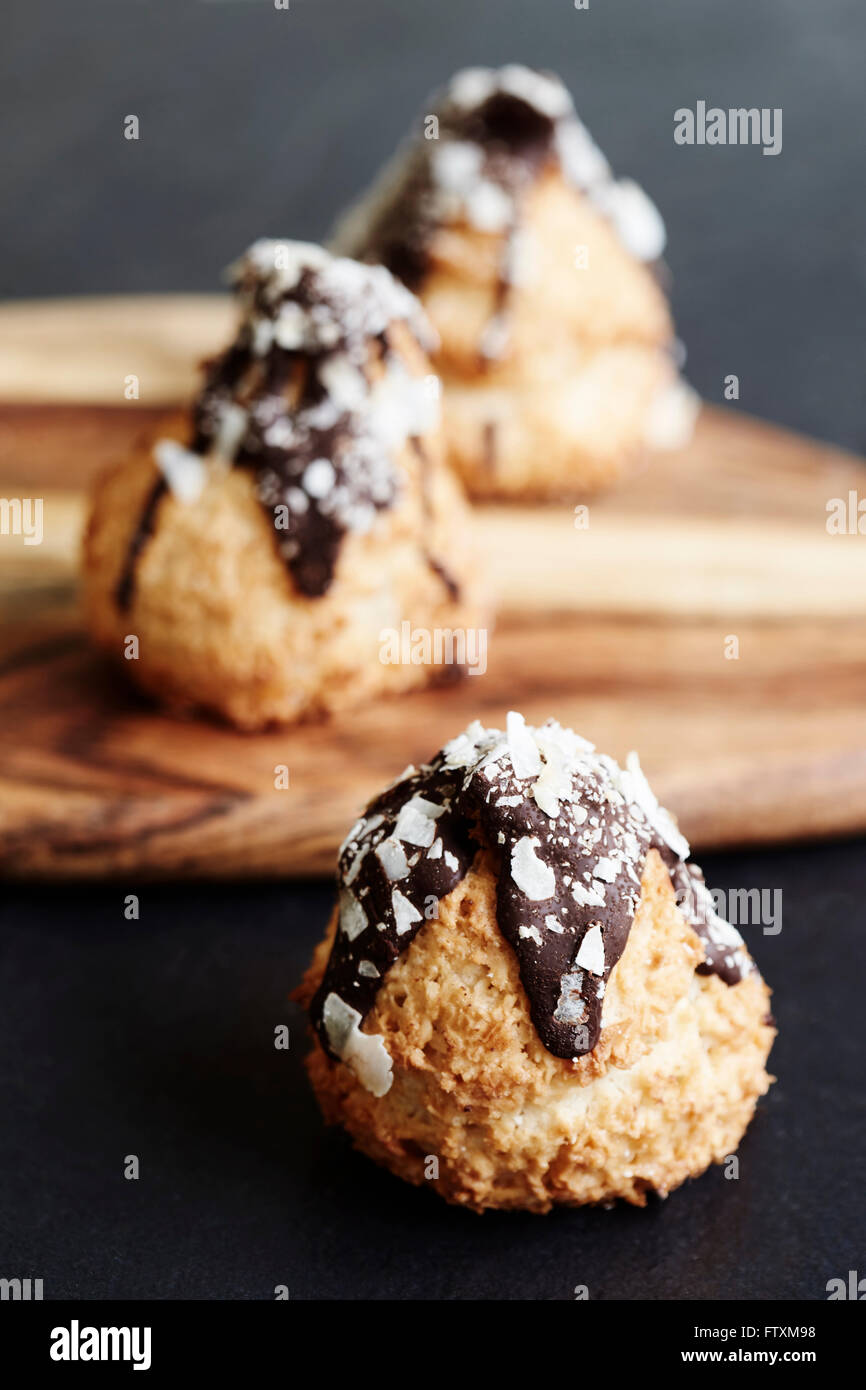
(568, 883)
(516, 141)
(125, 587)
(520, 122)
(278, 446)
(289, 400)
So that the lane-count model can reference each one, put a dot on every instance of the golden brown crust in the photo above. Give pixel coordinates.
(220, 624)
(566, 410)
(669, 1088)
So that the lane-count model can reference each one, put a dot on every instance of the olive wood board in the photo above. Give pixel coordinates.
(622, 628)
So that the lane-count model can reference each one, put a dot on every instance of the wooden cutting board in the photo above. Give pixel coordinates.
(620, 630)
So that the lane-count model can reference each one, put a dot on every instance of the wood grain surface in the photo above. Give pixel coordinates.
(619, 629)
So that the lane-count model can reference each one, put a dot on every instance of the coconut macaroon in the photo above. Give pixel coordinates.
(525, 980)
(257, 551)
(536, 267)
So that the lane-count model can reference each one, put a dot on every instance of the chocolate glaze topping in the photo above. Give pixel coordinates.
(313, 400)
(568, 830)
(125, 587)
(498, 131)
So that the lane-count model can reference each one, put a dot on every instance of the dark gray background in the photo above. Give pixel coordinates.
(256, 121)
(154, 1037)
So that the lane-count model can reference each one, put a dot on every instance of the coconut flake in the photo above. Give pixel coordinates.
(392, 857)
(605, 869)
(319, 478)
(364, 1053)
(588, 896)
(353, 918)
(532, 876)
(571, 1006)
(185, 473)
(522, 747)
(416, 823)
(591, 954)
(405, 915)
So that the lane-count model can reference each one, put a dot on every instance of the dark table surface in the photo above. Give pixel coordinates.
(154, 1037)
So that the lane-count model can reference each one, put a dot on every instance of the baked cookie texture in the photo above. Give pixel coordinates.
(259, 550)
(539, 271)
(459, 1059)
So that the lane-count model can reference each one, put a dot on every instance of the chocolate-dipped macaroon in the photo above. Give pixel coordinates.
(258, 549)
(525, 980)
(539, 271)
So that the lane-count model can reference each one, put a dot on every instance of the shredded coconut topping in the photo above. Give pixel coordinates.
(313, 398)
(496, 128)
(568, 830)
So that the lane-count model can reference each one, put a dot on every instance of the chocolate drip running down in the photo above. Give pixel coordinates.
(125, 587)
(569, 831)
(313, 400)
(498, 131)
